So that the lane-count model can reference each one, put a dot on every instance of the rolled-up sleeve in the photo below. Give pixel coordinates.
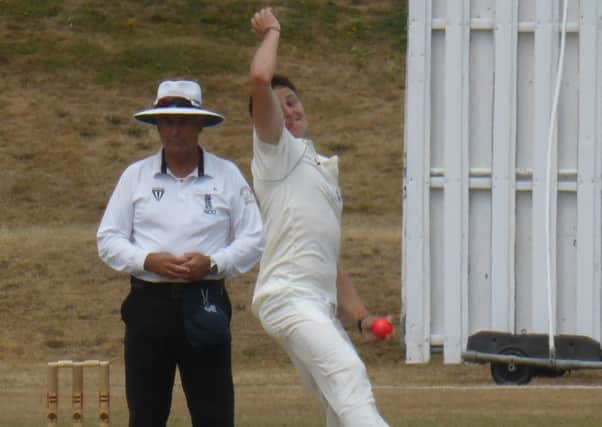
(247, 242)
(113, 237)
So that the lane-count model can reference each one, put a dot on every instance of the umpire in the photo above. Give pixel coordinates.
(178, 222)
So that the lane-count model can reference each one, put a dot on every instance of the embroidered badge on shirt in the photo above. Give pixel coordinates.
(209, 205)
(158, 193)
(247, 195)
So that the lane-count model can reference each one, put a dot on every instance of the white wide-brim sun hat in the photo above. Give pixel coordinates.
(181, 97)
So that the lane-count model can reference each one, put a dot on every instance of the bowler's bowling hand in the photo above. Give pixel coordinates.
(166, 265)
(264, 21)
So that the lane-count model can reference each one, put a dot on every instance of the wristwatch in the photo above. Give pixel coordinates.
(213, 269)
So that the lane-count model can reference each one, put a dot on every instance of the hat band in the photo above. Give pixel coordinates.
(176, 101)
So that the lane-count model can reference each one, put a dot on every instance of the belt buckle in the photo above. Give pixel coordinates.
(176, 291)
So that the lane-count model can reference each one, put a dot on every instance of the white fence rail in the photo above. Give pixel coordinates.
(479, 92)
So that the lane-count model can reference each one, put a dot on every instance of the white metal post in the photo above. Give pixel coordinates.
(456, 178)
(415, 270)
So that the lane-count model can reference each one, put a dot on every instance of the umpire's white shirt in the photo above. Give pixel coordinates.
(212, 211)
(301, 203)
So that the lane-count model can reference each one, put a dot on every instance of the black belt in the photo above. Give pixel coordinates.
(171, 290)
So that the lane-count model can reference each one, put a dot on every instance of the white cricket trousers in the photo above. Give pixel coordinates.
(308, 330)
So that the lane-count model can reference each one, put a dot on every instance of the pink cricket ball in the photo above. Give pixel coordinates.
(381, 327)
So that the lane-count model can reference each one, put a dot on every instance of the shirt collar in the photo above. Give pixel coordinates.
(200, 167)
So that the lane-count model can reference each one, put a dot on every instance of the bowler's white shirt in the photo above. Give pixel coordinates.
(212, 211)
(301, 205)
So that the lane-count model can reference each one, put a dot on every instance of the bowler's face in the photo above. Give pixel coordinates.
(179, 132)
(292, 109)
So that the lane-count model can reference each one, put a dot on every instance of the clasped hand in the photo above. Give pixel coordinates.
(191, 266)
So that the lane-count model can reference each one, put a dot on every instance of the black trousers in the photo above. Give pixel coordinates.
(155, 344)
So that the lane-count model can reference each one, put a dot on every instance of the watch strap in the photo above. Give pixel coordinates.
(213, 267)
